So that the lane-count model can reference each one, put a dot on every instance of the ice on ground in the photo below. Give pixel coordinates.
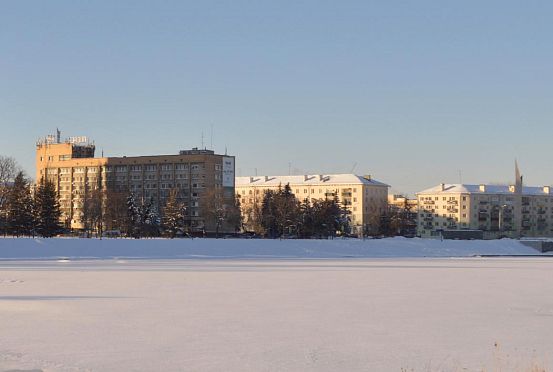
(67, 249)
(277, 315)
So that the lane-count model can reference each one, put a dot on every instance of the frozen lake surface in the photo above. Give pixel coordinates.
(377, 314)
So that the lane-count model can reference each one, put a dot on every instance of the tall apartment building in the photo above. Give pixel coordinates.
(74, 170)
(496, 210)
(365, 197)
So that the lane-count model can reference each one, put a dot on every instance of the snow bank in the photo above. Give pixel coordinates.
(26, 248)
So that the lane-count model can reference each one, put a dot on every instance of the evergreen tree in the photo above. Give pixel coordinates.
(344, 220)
(20, 207)
(149, 220)
(307, 218)
(173, 215)
(280, 212)
(234, 215)
(133, 218)
(268, 214)
(47, 210)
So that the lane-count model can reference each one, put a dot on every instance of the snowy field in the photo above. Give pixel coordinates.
(243, 248)
(491, 314)
(387, 309)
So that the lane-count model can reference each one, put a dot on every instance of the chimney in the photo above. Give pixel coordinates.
(482, 188)
(321, 177)
(546, 190)
(306, 178)
(251, 179)
(512, 188)
(442, 186)
(266, 178)
(368, 177)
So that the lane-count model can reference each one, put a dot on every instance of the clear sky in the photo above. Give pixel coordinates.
(413, 92)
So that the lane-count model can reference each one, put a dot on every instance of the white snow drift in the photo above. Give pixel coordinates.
(242, 248)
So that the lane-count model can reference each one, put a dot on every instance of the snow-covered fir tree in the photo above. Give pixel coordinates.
(47, 210)
(20, 207)
(174, 215)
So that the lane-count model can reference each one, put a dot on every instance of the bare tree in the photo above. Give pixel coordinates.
(253, 218)
(8, 171)
(93, 211)
(116, 211)
(220, 212)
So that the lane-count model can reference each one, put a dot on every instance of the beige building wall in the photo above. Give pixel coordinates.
(500, 211)
(74, 171)
(365, 197)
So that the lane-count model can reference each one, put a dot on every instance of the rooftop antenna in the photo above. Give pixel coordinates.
(58, 135)
(226, 150)
(256, 172)
(289, 168)
(202, 139)
(353, 167)
(211, 136)
(460, 177)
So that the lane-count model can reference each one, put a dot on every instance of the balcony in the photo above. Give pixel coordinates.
(452, 202)
(428, 202)
(526, 224)
(452, 210)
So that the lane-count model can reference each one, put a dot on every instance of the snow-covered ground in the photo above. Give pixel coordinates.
(425, 314)
(243, 248)
(271, 305)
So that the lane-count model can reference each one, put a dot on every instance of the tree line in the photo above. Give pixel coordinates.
(113, 212)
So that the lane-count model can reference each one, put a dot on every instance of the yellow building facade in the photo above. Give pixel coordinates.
(365, 197)
(496, 210)
(71, 166)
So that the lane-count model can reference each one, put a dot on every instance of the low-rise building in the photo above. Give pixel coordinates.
(365, 197)
(496, 210)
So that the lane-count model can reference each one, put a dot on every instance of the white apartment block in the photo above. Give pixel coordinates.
(365, 197)
(497, 210)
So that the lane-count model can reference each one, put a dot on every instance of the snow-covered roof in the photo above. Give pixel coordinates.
(487, 189)
(313, 179)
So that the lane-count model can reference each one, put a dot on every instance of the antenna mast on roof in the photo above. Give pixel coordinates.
(202, 140)
(211, 137)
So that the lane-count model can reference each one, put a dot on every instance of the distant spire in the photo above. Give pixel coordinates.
(518, 177)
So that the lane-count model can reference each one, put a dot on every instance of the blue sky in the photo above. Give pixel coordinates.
(412, 92)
